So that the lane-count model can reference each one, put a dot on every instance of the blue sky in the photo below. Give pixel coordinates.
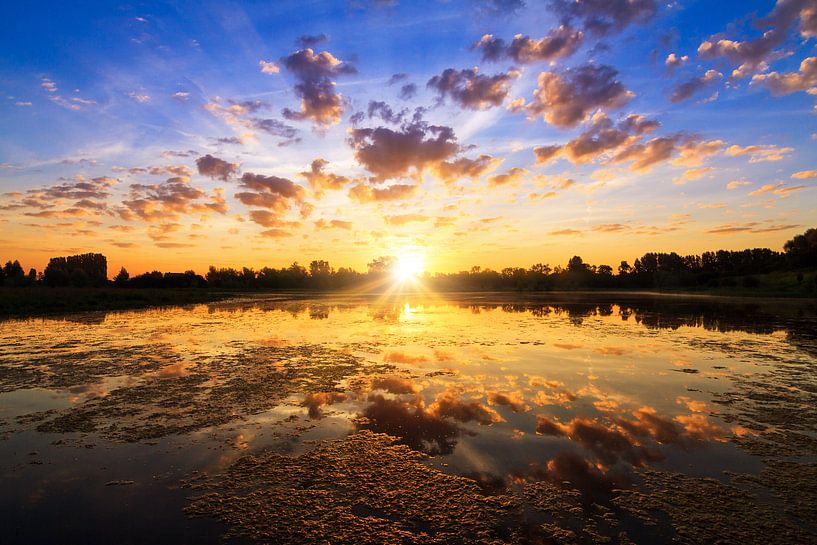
(106, 90)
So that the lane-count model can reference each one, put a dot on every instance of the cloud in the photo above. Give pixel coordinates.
(275, 233)
(691, 175)
(172, 170)
(693, 151)
(388, 153)
(544, 154)
(247, 106)
(395, 78)
(453, 171)
(408, 91)
(311, 40)
(270, 192)
(791, 82)
(674, 61)
(171, 154)
(602, 17)
(316, 88)
(730, 229)
(403, 219)
(498, 8)
(599, 140)
(167, 201)
(560, 42)
(472, 90)
(162, 230)
(780, 188)
(365, 194)
(776, 228)
(288, 133)
(644, 156)
(567, 99)
(49, 85)
(735, 184)
(265, 218)
(321, 181)
(214, 167)
(754, 55)
(611, 228)
(173, 245)
(692, 86)
(323, 225)
(565, 232)
(141, 98)
(73, 197)
(759, 153)
(804, 175)
(230, 140)
(384, 112)
(512, 176)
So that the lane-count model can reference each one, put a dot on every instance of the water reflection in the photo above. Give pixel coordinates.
(583, 392)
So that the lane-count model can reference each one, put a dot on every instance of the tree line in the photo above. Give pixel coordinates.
(722, 268)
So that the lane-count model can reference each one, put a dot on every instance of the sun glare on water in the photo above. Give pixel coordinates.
(409, 267)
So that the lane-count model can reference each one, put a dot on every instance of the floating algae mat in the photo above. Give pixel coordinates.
(471, 419)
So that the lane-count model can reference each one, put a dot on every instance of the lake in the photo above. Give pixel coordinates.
(469, 418)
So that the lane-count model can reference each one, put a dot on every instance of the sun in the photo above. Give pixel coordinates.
(408, 267)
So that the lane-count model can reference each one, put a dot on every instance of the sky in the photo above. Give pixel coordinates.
(179, 135)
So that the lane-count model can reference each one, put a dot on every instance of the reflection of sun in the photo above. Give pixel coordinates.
(408, 267)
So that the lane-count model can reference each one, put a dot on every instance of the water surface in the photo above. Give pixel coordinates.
(111, 425)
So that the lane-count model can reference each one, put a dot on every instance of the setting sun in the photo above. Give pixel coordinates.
(409, 266)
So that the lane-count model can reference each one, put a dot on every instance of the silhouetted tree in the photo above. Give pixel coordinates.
(802, 249)
(382, 264)
(77, 270)
(122, 277)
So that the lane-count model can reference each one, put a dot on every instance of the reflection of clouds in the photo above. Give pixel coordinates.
(611, 350)
(242, 440)
(556, 394)
(634, 440)
(179, 369)
(648, 423)
(315, 401)
(699, 427)
(542, 381)
(395, 385)
(442, 355)
(562, 398)
(692, 404)
(567, 346)
(608, 444)
(402, 357)
(582, 475)
(513, 400)
(419, 429)
(450, 404)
